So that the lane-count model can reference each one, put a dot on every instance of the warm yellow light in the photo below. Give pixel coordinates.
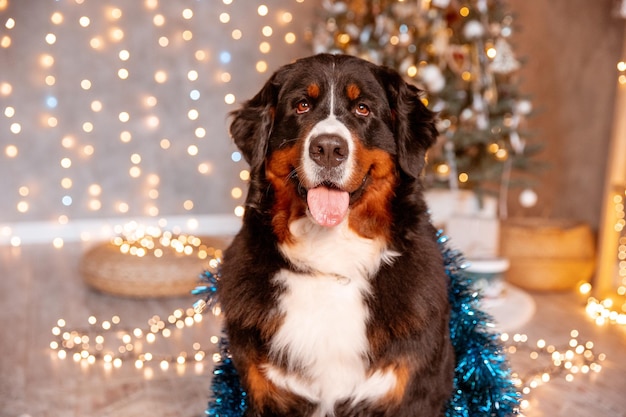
(466, 76)
(501, 154)
(265, 47)
(96, 43)
(56, 18)
(116, 34)
(262, 10)
(464, 11)
(94, 190)
(286, 17)
(51, 38)
(261, 66)
(164, 143)
(239, 211)
(205, 168)
(192, 75)
(24, 191)
(66, 183)
(201, 55)
(5, 42)
(124, 117)
(66, 162)
(193, 114)
(96, 106)
(225, 77)
(15, 128)
(229, 98)
(50, 80)
(244, 175)
(491, 53)
(84, 21)
(122, 207)
(343, 38)
(46, 60)
(411, 71)
(267, 31)
(188, 205)
(224, 17)
(85, 84)
(160, 76)
(22, 206)
(122, 73)
(463, 177)
(443, 169)
(154, 180)
(187, 35)
(192, 150)
(135, 158)
(134, 172)
(125, 136)
(5, 88)
(236, 192)
(116, 13)
(585, 288)
(187, 14)
(158, 20)
(236, 34)
(10, 23)
(200, 132)
(621, 66)
(290, 38)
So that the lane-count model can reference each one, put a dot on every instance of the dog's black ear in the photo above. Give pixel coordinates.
(251, 125)
(414, 125)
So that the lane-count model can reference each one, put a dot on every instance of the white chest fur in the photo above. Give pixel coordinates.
(323, 335)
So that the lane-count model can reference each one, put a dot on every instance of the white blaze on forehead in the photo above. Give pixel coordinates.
(329, 126)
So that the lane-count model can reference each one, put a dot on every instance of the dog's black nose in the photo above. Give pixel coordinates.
(328, 150)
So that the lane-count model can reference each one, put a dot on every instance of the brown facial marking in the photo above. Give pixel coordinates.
(264, 393)
(353, 91)
(313, 90)
(288, 205)
(370, 216)
(401, 370)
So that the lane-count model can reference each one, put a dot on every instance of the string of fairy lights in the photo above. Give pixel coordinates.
(109, 344)
(612, 309)
(118, 96)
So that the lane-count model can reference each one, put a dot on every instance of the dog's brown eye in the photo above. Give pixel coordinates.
(302, 107)
(362, 110)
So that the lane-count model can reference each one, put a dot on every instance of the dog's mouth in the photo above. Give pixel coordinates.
(328, 204)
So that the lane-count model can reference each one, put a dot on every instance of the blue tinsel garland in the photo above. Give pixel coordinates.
(482, 380)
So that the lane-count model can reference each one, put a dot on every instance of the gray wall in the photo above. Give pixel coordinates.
(572, 48)
(40, 147)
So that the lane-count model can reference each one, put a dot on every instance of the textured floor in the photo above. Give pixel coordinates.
(40, 284)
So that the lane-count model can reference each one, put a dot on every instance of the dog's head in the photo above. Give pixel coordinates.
(331, 135)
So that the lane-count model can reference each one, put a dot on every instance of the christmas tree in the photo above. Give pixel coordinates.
(459, 52)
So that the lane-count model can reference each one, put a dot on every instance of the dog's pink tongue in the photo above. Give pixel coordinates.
(328, 206)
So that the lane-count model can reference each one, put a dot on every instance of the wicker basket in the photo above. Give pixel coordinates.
(547, 255)
(105, 268)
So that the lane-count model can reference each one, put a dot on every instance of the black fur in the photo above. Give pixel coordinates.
(408, 306)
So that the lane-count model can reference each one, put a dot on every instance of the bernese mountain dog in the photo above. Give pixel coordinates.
(334, 291)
